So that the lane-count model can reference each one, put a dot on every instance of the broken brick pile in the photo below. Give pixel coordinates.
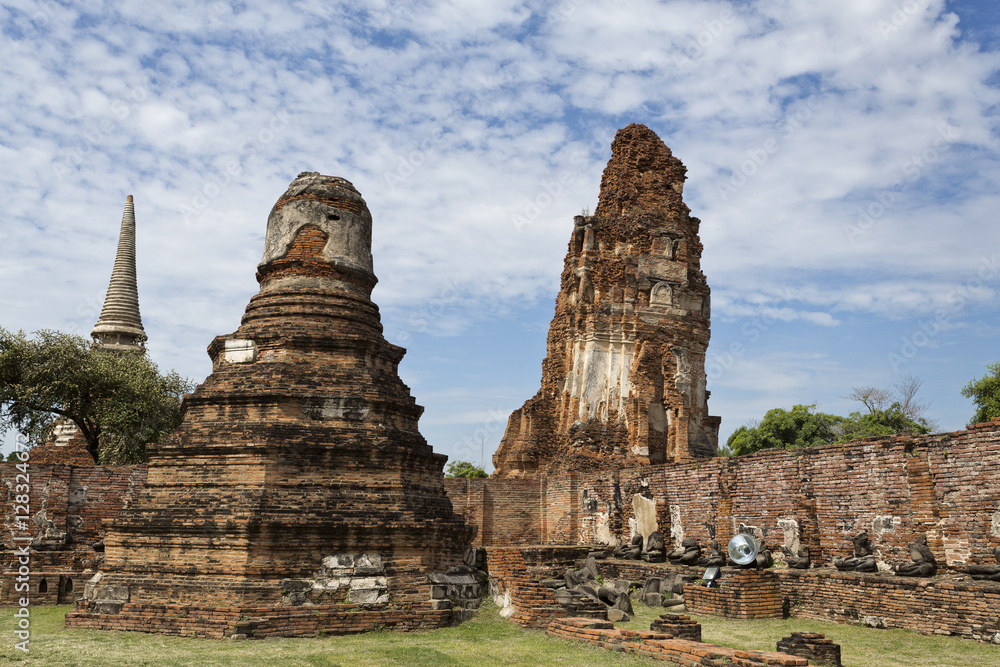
(740, 594)
(932, 606)
(623, 380)
(298, 476)
(663, 646)
(679, 626)
(67, 447)
(812, 646)
(515, 583)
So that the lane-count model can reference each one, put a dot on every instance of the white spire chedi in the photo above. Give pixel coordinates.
(120, 326)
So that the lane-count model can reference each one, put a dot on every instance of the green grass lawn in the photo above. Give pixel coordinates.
(859, 646)
(486, 640)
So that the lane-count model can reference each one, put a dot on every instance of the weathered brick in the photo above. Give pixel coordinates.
(299, 454)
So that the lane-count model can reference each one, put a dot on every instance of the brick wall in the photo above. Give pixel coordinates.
(256, 622)
(946, 486)
(896, 488)
(929, 606)
(69, 508)
(516, 573)
(504, 512)
(741, 594)
(937, 605)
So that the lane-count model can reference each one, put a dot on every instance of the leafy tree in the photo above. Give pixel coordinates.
(119, 401)
(785, 429)
(876, 422)
(464, 469)
(898, 400)
(890, 411)
(985, 393)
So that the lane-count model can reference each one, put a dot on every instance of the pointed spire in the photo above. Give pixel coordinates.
(120, 326)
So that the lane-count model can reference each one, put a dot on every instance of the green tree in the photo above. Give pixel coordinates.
(985, 393)
(896, 404)
(801, 426)
(464, 469)
(890, 410)
(119, 401)
(877, 421)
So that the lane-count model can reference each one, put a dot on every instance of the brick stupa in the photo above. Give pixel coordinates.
(623, 382)
(297, 496)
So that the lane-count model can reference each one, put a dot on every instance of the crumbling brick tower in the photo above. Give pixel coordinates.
(623, 382)
(298, 476)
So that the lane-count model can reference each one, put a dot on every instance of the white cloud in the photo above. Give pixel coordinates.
(453, 119)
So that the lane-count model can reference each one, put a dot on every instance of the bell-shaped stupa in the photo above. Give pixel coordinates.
(297, 496)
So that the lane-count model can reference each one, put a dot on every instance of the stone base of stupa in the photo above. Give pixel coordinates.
(358, 602)
(262, 622)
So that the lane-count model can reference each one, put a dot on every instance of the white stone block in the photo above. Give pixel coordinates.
(240, 351)
(645, 516)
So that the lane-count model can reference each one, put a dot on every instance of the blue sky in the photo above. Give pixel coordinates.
(842, 157)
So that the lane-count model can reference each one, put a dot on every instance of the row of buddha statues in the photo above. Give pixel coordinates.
(922, 562)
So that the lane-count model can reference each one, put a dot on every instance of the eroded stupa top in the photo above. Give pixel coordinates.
(335, 208)
(642, 175)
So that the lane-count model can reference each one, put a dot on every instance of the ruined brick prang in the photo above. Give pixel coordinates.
(623, 382)
(298, 476)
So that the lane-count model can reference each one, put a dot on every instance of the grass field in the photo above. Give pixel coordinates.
(486, 640)
(859, 646)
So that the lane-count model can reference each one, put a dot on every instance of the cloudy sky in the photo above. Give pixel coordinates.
(842, 156)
